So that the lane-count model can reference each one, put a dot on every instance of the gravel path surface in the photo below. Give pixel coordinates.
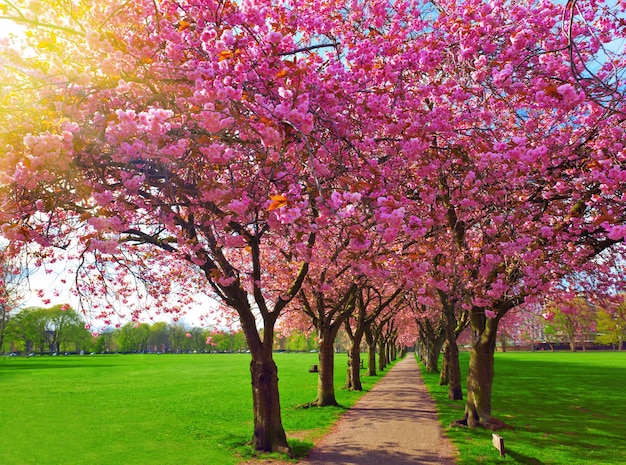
(393, 424)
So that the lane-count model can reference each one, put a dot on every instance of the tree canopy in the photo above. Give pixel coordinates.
(231, 147)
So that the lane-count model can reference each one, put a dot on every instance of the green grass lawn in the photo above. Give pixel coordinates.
(149, 409)
(566, 408)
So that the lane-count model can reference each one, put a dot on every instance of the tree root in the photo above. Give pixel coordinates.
(316, 403)
(307, 405)
(493, 424)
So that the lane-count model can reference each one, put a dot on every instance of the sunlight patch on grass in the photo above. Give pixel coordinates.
(566, 408)
(136, 409)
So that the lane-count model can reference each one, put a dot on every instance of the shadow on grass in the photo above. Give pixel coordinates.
(523, 459)
(25, 365)
(300, 449)
(245, 451)
(566, 408)
(313, 405)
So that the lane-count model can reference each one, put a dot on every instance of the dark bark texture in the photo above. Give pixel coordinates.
(481, 373)
(269, 434)
(326, 381)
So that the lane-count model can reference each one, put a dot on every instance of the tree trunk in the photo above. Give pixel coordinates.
(269, 434)
(433, 349)
(3, 324)
(503, 343)
(353, 381)
(444, 376)
(326, 378)
(371, 351)
(371, 358)
(348, 384)
(382, 355)
(481, 372)
(455, 390)
(479, 383)
(328, 320)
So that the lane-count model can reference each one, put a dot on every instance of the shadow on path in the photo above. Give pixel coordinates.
(393, 424)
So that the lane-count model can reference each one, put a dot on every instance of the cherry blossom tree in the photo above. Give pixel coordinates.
(574, 319)
(181, 155)
(371, 302)
(374, 336)
(328, 298)
(207, 144)
(387, 348)
(523, 326)
(513, 188)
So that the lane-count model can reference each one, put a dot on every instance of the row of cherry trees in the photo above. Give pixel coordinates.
(327, 164)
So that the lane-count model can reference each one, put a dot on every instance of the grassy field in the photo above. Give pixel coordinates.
(566, 408)
(149, 409)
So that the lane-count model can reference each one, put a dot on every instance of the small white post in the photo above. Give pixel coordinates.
(498, 443)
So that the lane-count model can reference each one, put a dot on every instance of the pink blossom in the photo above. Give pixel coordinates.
(135, 182)
(112, 223)
(616, 232)
(122, 86)
(359, 244)
(239, 206)
(225, 280)
(102, 198)
(285, 93)
(270, 137)
(108, 247)
(570, 97)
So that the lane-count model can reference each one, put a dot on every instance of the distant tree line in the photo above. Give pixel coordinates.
(60, 329)
(162, 337)
(574, 324)
(37, 330)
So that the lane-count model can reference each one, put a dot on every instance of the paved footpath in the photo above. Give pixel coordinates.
(393, 424)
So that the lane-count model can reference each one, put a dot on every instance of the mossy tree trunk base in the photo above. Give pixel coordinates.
(353, 380)
(480, 375)
(269, 434)
(326, 380)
